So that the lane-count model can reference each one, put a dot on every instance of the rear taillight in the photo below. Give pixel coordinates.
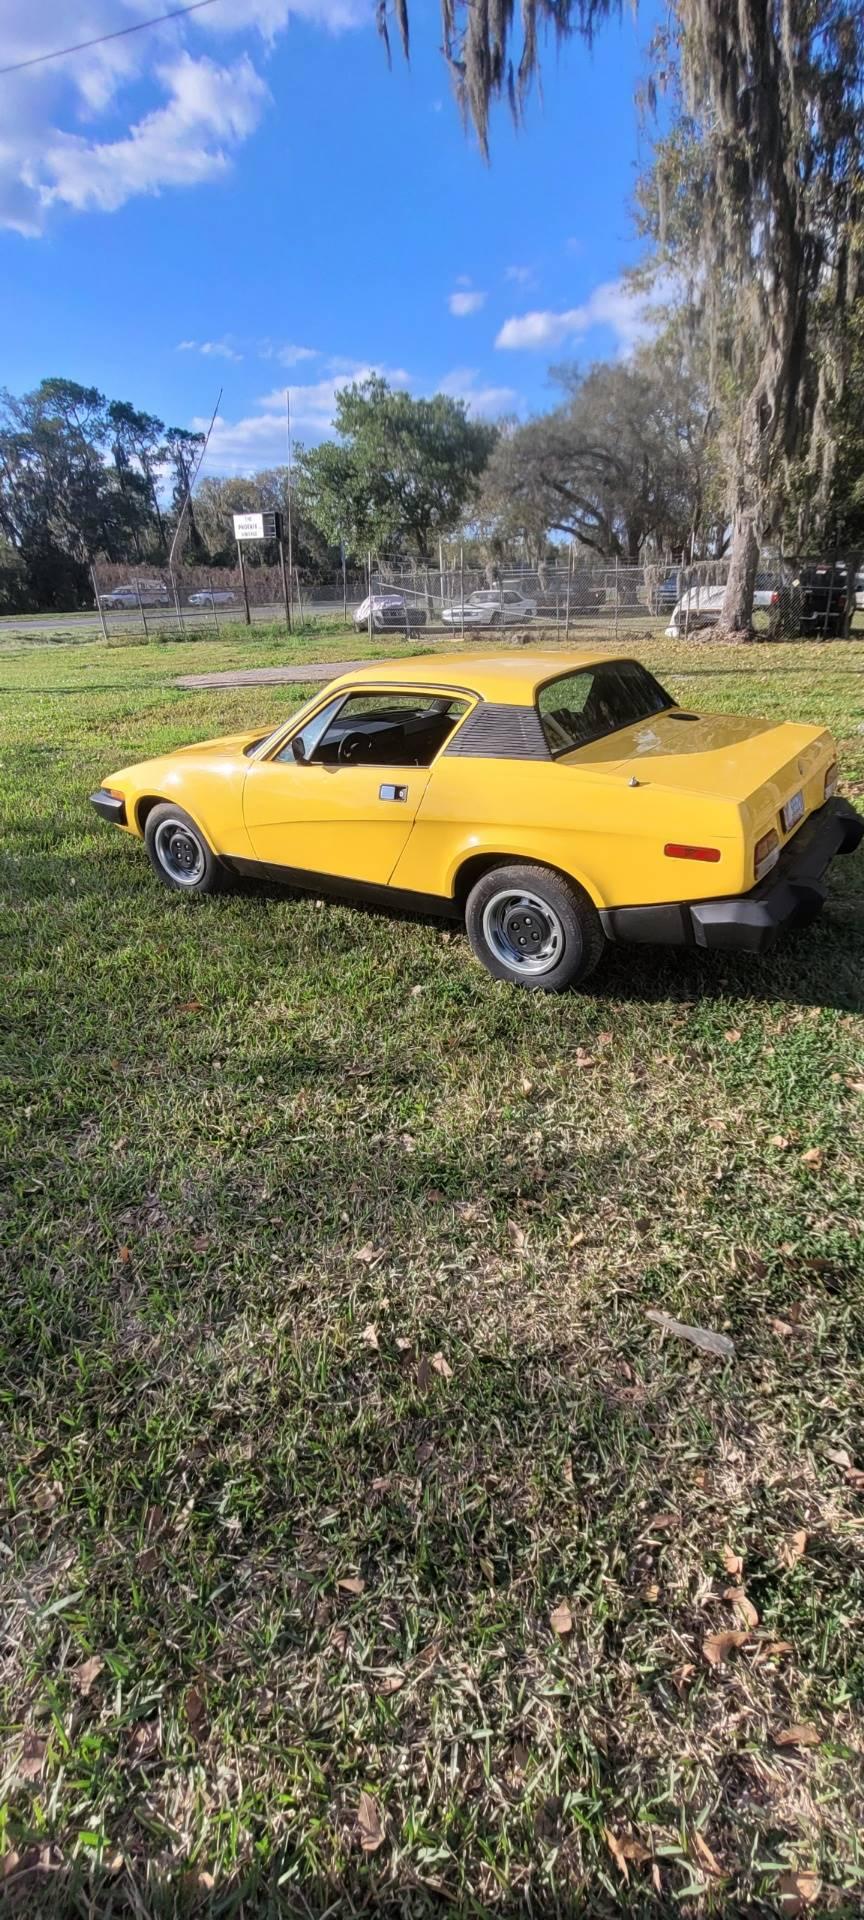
(775, 599)
(831, 780)
(767, 854)
(675, 851)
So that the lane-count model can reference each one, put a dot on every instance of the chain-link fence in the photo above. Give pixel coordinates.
(564, 602)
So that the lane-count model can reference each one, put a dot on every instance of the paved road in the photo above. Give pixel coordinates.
(31, 625)
(273, 676)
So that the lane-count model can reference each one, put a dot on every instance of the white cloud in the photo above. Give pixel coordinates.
(214, 349)
(289, 356)
(59, 143)
(461, 304)
(628, 315)
(521, 275)
(485, 401)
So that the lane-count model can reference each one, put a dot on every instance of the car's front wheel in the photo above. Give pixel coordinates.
(179, 852)
(533, 927)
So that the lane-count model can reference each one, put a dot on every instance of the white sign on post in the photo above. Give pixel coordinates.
(255, 526)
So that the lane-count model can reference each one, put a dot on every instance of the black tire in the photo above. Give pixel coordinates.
(182, 859)
(533, 908)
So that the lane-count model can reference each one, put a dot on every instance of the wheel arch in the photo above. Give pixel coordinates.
(475, 865)
(147, 801)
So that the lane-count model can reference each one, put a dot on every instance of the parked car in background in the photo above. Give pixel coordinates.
(702, 606)
(490, 607)
(664, 595)
(813, 603)
(213, 597)
(391, 613)
(138, 593)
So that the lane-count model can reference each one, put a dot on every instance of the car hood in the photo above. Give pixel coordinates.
(726, 755)
(229, 746)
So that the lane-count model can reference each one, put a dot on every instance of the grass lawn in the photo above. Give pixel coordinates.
(326, 1376)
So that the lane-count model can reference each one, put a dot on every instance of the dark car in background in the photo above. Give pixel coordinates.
(391, 613)
(812, 603)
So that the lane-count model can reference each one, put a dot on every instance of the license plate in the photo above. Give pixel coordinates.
(792, 812)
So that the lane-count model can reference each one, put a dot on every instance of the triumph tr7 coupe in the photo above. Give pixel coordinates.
(555, 800)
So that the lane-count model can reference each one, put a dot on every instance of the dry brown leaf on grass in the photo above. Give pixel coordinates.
(561, 1619)
(32, 1756)
(797, 1891)
(369, 1336)
(382, 1484)
(85, 1676)
(148, 1560)
(517, 1234)
(732, 1036)
(390, 1683)
(144, 1739)
(812, 1157)
(718, 1646)
(683, 1675)
(189, 1006)
(366, 1254)
(339, 1638)
(662, 1522)
(803, 1735)
(351, 1583)
(195, 1709)
(703, 1853)
(441, 1366)
(625, 1849)
(702, 1337)
(369, 1827)
(124, 1255)
(793, 1549)
(732, 1561)
(743, 1607)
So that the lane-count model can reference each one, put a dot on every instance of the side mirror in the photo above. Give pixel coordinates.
(297, 747)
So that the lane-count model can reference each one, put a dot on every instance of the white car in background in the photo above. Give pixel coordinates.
(139, 593)
(213, 597)
(491, 607)
(702, 606)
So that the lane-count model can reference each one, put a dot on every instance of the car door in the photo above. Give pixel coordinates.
(340, 793)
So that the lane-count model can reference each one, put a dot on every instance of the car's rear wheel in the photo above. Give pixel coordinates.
(534, 928)
(179, 852)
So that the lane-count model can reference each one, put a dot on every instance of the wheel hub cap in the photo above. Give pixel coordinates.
(524, 932)
(180, 853)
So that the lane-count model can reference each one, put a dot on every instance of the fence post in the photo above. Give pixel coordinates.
(140, 605)
(213, 604)
(369, 579)
(177, 607)
(461, 591)
(567, 605)
(296, 580)
(242, 565)
(344, 591)
(285, 594)
(99, 608)
(616, 596)
(501, 595)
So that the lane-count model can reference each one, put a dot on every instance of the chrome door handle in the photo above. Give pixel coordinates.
(392, 793)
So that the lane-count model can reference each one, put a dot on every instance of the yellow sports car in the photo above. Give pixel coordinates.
(556, 800)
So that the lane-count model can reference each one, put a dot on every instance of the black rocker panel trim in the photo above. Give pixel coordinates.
(364, 892)
(500, 733)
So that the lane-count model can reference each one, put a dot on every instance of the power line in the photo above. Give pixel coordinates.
(119, 33)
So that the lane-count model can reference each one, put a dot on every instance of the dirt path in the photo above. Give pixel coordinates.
(272, 676)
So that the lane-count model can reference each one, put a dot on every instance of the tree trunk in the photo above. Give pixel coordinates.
(737, 612)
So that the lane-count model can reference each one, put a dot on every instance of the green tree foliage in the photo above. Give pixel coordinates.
(402, 472)
(625, 466)
(218, 499)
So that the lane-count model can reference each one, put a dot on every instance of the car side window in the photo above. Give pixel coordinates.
(308, 736)
(388, 730)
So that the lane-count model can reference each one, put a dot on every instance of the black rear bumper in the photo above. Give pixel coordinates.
(790, 896)
(111, 806)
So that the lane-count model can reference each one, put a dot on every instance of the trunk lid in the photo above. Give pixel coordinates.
(754, 763)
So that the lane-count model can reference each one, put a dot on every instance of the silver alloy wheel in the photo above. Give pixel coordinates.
(523, 931)
(179, 851)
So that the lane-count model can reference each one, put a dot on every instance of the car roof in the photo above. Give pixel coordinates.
(508, 679)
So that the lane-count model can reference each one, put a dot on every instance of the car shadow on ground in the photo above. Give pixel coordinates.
(820, 966)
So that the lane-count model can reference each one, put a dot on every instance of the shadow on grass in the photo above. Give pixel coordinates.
(820, 966)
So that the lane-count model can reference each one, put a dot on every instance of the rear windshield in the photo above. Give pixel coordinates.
(588, 705)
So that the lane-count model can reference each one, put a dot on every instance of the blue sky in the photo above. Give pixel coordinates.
(250, 199)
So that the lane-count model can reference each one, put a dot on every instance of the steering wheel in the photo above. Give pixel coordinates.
(349, 747)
